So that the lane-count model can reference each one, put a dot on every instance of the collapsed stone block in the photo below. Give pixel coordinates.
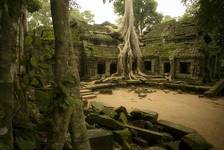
(123, 137)
(151, 136)
(194, 141)
(105, 121)
(177, 130)
(100, 139)
(144, 115)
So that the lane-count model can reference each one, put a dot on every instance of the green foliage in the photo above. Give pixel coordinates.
(34, 62)
(144, 11)
(25, 144)
(28, 40)
(86, 16)
(42, 17)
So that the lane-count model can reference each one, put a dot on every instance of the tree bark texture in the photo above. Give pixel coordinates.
(130, 56)
(9, 15)
(67, 81)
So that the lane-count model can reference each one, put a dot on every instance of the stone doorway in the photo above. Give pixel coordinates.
(101, 68)
(148, 65)
(166, 67)
(113, 68)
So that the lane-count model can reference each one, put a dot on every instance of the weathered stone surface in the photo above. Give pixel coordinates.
(123, 137)
(174, 145)
(149, 135)
(97, 106)
(144, 115)
(109, 111)
(123, 118)
(140, 141)
(177, 130)
(104, 121)
(100, 139)
(155, 148)
(194, 141)
(122, 109)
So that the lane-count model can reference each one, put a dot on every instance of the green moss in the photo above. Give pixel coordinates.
(101, 51)
(28, 40)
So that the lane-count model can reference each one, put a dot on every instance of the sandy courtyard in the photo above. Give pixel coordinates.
(203, 114)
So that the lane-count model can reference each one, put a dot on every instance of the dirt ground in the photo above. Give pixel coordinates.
(203, 114)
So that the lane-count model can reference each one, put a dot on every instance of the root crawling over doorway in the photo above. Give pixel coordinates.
(130, 55)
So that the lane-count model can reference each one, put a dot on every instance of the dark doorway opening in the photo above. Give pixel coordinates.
(185, 67)
(148, 65)
(113, 68)
(166, 67)
(101, 68)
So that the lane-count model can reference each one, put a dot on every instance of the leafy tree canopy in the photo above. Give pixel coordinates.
(40, 14)
(209, 15)
(144, 12)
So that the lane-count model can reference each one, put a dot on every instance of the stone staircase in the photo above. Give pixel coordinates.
(87, 93)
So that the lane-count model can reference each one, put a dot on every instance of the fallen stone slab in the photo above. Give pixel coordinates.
(123, 137)
(140, 141)
(149, 135)
(194, 141)
(105, 121)
(174, 145)
(96, 106)
(109, 111)
(176, 130)
(144, 115)
(123, 118)
(100, 139)
(142, 124)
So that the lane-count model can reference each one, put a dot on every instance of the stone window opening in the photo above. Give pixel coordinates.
(113, 68)
(148, 65)
(185, 67)
(101, 68)
(166, 67)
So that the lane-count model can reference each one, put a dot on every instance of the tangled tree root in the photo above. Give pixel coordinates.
(130, 55)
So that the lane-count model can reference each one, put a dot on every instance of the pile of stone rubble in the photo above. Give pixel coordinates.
(117, 129)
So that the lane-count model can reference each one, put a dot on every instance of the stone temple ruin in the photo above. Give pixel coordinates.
(171, 48)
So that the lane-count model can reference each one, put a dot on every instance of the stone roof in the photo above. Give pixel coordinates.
(181, 31)
(100, 51)
(179, 39)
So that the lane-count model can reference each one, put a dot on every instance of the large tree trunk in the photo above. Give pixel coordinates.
(130, 56)
(9, 15)
(67, 80)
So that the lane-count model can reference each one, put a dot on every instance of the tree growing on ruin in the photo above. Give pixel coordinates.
(130, 55)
